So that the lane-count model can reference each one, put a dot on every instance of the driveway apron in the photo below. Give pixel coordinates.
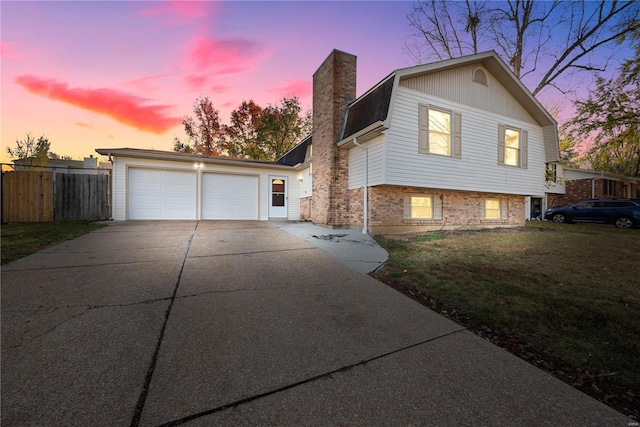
(240, 323)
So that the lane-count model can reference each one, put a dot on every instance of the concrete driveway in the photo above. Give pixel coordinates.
(241, 323)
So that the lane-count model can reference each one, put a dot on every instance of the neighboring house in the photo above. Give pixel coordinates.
(453, 144)
(575, 185)
(88, 166)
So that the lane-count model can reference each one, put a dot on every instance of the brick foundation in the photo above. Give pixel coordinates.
(460, 210)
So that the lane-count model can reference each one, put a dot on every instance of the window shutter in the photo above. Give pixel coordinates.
(483, 210)
(407, 206)
(504, 214)
(423, 132)
(457, 135)
(525, 148)
(501, 144)
(437, 207)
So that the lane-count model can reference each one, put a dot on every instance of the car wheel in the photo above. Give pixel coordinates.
(558, 218)
(624, 222)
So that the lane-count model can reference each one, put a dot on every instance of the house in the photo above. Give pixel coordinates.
(88, 166)
(571, 185)
(453, 144)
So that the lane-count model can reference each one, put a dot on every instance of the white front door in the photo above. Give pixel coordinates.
(278, 197)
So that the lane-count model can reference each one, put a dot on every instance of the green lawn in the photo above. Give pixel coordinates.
(22, 239)
(564, 297)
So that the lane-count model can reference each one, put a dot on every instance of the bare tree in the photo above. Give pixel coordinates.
(546, 40)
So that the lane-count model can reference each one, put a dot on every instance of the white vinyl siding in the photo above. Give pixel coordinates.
(306, 182)
(477, 170)
(375, 150)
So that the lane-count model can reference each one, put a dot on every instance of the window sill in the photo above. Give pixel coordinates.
(422, 221)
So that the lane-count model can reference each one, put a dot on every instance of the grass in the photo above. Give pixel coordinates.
(570, 291)
(22, 239)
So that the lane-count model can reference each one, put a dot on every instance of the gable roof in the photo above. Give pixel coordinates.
(374, 105)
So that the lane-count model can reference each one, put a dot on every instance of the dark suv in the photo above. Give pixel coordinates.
(624, 213)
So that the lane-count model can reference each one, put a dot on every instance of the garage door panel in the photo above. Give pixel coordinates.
(229, 196)
(161, 194)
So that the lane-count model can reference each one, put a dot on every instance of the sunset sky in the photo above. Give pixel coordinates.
(90, 74)
(100, 74)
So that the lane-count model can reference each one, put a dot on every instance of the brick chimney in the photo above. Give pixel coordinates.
(334, 83)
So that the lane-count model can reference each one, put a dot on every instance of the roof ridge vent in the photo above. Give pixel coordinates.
(480, 77)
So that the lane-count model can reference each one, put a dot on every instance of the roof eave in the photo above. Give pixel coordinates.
(176, 157)
(363, 135)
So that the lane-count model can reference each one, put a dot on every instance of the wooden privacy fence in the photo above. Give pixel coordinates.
(45, 196)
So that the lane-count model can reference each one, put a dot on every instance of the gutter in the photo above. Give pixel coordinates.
(365, 186)
(375, 127)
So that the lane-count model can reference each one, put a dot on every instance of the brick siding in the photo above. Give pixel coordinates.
(460, 209)
(581, 189)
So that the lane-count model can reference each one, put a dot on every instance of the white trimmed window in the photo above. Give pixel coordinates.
(440, 131)
(422, 207)
(494, 209)
(512, 146)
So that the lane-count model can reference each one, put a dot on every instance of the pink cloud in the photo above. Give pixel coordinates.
(6, 51)
(212, 56)
(120, 106)
(147, 83)
(179, 12)
(299, 88)
(202, 81)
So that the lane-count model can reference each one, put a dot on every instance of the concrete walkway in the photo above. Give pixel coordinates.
(357, 250)
(240, 323)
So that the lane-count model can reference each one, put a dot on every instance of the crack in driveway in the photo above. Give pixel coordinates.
(147, 381)
(323, 376)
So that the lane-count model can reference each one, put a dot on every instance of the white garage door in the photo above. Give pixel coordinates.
(161, 194)
(229, 196)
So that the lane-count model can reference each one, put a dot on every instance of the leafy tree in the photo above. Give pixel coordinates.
(33, 152)
(242, 136)
(558, 37)
(279, 128)
(205, 131)
(56, 156)
(181, 147)
(610, 118)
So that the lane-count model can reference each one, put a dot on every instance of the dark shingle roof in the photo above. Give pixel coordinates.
(370, 108)
(297, 154)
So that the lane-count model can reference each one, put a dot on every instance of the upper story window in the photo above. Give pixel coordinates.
(440, 131)
(512, 146)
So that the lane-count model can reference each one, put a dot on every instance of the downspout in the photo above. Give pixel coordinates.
(365, 186)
